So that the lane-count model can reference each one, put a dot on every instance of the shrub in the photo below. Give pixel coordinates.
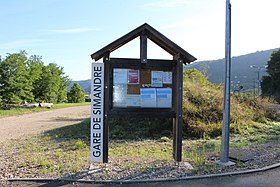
(76, 94)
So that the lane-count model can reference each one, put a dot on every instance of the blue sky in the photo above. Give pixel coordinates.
(66, 32)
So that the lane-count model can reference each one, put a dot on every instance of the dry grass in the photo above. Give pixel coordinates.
(203, 108)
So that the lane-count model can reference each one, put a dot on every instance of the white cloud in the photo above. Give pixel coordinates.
(74, 30)
(20, 43)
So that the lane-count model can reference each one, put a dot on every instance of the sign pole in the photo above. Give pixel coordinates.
(97, 113)
(224, 154)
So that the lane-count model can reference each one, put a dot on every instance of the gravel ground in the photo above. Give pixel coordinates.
(135, 168)
(15, 128)
(262, 155)
(21, 126)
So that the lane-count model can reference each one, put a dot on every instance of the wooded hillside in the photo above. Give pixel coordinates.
(241, 73)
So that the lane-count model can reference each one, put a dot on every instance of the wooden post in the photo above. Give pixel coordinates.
(106, 61)
(174, 139)
(178, 120)
(143, 48)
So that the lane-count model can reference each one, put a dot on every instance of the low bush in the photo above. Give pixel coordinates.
(203, 108)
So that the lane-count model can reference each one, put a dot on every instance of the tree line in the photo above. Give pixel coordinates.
(271, 83)
(28, 79)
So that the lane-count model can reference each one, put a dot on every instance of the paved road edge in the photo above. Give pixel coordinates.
(142, 181)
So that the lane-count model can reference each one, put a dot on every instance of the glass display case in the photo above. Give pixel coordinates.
(142, 88)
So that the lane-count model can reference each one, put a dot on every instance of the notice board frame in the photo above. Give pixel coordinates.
(128, 63)
(176, 67)
(180, 57)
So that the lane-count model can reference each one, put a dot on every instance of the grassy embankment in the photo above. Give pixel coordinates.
(20, 111)
(144, 144)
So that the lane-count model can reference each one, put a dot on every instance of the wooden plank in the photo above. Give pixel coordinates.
(140, 114)
(136, 64)
(168, 45)
(133, 88)
(143, 48)
(174, 104)
(145, 76)
(174, 142)
(107, 106)
(178, 120)
(118, 43)
(153, 35)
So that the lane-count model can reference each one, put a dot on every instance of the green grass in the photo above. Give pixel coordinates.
(65, 151)
(20, 111)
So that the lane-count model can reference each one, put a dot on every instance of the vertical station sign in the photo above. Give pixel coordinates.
(97, 112)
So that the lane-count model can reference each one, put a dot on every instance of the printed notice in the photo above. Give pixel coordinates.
(167, 77)
(164, 97)
(156, 78)
(133, 76)
(133, 100)
(119, 95)
(148, 97)
(120, 76)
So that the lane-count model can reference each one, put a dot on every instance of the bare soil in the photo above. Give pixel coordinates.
(21, 126)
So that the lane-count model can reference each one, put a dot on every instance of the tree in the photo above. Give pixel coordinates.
(28, 79)
(35, 67)
(76, 94)
(15, 83)
(271, 83)
(51, 87)
(1, 103)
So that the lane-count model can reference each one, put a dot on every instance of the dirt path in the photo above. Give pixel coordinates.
(29, 124)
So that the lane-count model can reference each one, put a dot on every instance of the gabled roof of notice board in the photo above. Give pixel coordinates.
(155, 36)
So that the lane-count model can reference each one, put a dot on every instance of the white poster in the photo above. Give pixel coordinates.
(164, 97)
(120, 76)
(148, 97)
(133, 100)
(119, 95)
(167, 77)
(156, 78)
(97, 112)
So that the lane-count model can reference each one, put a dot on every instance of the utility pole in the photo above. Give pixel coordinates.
(259, 68)
(224, 154)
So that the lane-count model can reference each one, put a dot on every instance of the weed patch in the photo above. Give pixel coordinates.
(62, 153)
(203, 103)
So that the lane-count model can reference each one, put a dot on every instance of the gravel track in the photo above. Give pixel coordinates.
(16, 127)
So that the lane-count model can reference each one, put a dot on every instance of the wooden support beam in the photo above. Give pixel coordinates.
(143, 48)
(178, 120)
(106, 61)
